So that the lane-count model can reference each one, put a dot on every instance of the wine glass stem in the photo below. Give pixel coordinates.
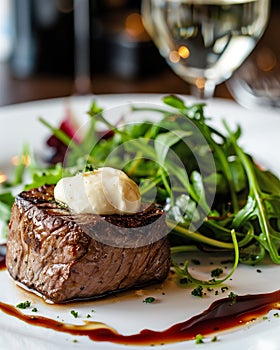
(203, 89)
(82, 73)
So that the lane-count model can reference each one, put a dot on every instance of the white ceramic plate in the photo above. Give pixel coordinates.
(126, 312)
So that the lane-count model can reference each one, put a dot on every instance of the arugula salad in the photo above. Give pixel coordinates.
(214, 194)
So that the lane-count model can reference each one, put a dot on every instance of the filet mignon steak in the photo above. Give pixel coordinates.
(66, 257)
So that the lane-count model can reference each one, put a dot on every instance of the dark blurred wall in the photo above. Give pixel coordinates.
(44, 39)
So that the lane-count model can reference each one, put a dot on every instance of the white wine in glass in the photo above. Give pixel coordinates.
(205, 41)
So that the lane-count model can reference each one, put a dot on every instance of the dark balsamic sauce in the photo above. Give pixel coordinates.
(223, 314)
(2, 257)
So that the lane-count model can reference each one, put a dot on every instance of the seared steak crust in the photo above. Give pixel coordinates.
(66, 257)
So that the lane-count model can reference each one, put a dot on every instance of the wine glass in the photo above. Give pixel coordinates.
(205, 41)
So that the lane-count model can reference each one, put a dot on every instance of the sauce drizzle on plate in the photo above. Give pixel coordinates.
(223, 314)
(2, 257)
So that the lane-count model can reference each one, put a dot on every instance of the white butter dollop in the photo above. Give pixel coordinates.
(102, 191)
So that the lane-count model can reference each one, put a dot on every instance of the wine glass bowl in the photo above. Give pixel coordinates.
(257, 83)
(205, 41)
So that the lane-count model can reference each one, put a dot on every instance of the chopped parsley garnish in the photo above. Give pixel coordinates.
(74, 313)
(34, 309)
(199, 339)
(217, 272)
(197, 292)
(89, 167)
(149, 300)
(24, 305)
(232, 296)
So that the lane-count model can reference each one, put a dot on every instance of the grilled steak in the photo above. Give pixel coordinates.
(66, 257)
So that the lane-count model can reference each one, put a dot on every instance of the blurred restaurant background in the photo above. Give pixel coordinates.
(37, 50)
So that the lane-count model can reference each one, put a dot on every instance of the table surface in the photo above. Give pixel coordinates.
(14, 90)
